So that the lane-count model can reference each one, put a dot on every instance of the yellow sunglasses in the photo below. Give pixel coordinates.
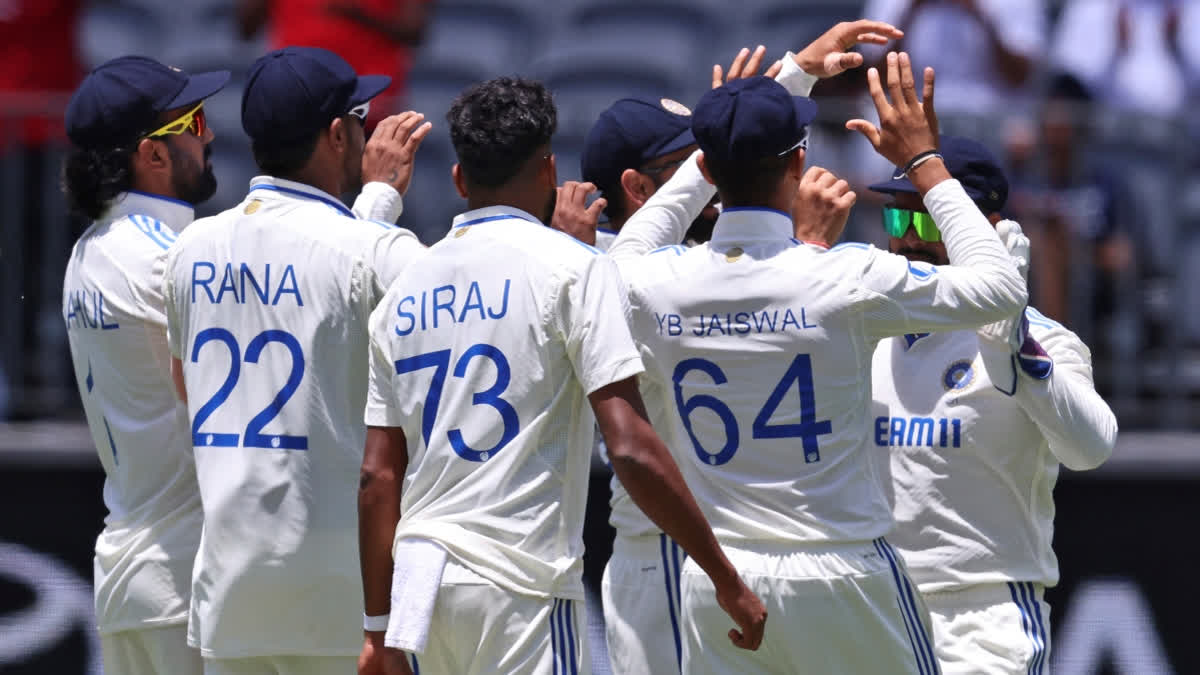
(193, 121)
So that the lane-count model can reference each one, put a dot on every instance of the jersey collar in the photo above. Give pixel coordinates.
(290, 189)
(489, 214)
(173, 213)
(741, 224)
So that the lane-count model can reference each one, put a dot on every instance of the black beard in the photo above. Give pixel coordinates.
(191, 183)
(911, 253)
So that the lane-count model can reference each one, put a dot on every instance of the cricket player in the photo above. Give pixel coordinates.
(138, 164)
(975, 423)
(484, 357)
(266, 309)
(633, 150)
(759, 347)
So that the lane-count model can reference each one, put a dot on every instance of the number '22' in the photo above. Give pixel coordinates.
(253, 438)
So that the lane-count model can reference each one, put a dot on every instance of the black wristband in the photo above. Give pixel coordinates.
(920, 158)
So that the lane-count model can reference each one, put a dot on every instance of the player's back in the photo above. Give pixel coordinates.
(269, 302)
(763, 351)
(116, 328)
(491, 355)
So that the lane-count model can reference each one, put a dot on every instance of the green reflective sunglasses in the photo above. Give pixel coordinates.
(896, 222)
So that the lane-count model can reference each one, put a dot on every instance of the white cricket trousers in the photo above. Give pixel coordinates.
(832, 609)
(642, 620)
(991, 629)
(149, 651)
(479, 628)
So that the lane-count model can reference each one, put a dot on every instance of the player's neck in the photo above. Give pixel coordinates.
(528, 201)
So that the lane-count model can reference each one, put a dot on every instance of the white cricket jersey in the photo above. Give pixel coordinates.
(484, 352)
(605, 239)
(267, 307)
(662, 221)
(117, 329)
(761, 346)
(973, 464)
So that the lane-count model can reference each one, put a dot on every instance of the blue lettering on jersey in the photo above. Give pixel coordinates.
(918, 432)
(737, 323)
(240, 283)
(437, 307)
(85, 309)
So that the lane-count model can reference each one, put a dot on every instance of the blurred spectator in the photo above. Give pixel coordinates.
(41, 68)
(1069, 206)
(984, 51)
(1129, 53)
(374, 36)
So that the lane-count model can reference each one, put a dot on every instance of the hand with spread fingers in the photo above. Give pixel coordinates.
(827, 56)
(906, 127)
(821, 207)
(745, 64)
(573, 215)
(390, 154)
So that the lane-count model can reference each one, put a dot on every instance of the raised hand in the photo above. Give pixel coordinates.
(828, 56)
(745, 64)
(390, 154)
(747, 611)
(573, 216)
(821, 206)
(906, 127)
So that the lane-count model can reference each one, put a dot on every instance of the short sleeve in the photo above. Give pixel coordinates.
(394, 250)
(380, 411)
(594, 312)
(171, 307)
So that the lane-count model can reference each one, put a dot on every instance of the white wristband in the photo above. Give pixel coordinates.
(375, 623)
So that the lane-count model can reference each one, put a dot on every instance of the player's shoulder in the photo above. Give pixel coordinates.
(1041, 325)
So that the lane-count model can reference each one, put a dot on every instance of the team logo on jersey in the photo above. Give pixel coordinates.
(733, 254)
(959, 375)
(674, 106)
(252, 207)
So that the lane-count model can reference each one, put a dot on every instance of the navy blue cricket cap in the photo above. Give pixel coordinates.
(971, 164)
(123, 98)
(631, 133)
(750, 119)
(294, 92)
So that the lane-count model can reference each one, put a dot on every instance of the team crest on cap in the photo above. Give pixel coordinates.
(671, 105)
(959, 375)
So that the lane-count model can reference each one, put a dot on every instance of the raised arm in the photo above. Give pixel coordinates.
(981, 285)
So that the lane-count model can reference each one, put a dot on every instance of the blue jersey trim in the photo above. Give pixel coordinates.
(678, 249)
(735, 209)
(162, 197)
(153, 229)
(605, 230)
(1038, 319)
(488, 219)
(338, 206)
(852, 244)
(926, 661)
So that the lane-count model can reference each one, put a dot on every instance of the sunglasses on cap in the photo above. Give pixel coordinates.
(192, 120)
(360, 112)
(896, 222)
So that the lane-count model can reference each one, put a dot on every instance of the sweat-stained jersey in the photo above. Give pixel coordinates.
(267, 307)
(117, 329)
(974, 450)
(484, 352)
(760, 347)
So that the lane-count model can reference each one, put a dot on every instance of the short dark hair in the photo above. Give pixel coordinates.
(497, 126)
(615, 206)
(92, 178)
(748, 183)
(284, 160)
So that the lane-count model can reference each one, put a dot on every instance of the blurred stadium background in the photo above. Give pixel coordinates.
(1100, 137)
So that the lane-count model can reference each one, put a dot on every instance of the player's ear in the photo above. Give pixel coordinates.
(796, 164)
(700, 161)
(338, 136)
(552, 164)
(637, 187)
(460, 183)
(151, 155)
